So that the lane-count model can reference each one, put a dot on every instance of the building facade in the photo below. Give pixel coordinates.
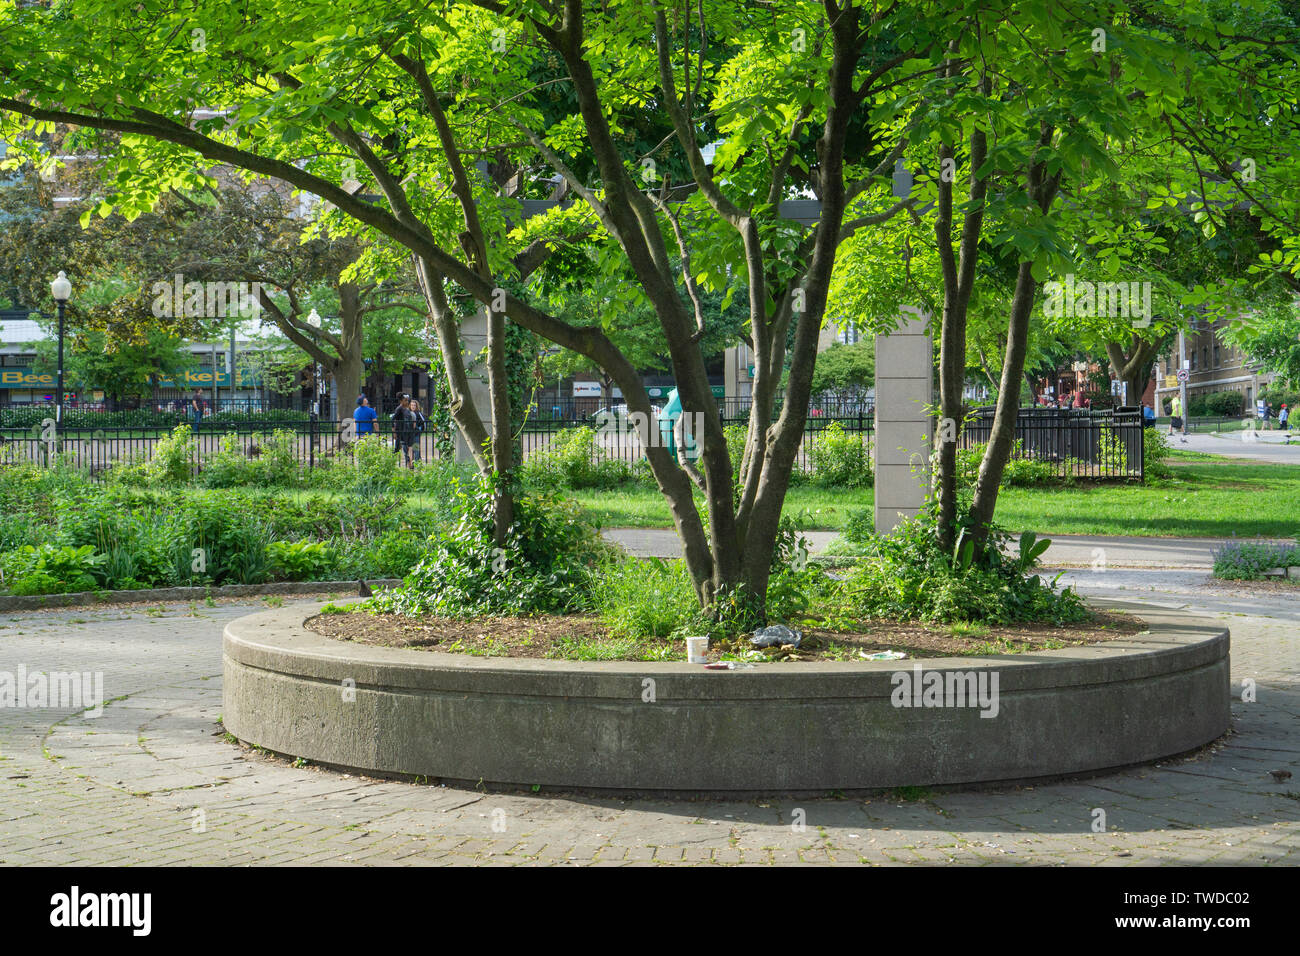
(1212, 366)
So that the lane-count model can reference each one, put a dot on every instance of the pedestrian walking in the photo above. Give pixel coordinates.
(196, 406)
(403, 422)
(1284, 418)
(1176, 416)
(418, 425)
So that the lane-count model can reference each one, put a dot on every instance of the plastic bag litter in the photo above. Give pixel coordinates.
(775, 635)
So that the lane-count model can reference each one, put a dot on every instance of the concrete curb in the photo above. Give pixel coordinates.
(36, 602)
(677, 727)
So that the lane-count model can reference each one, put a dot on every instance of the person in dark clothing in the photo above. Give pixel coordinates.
(403, 428)
(418, 425)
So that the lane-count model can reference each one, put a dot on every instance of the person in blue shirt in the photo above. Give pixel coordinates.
(364, 416)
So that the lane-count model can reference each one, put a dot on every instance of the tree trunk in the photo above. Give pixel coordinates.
(1003, 435)
(503, 502)
(350, 365)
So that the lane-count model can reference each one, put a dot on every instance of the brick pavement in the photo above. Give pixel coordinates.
(154, 781)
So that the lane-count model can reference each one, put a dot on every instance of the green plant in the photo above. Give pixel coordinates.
(300, 560)
(51, 569)
(173, 458)
(912, 578)
(572, 459)
(840, 459)
(543, 566)
(1155, 449)
(1248, 560)
(642, 599)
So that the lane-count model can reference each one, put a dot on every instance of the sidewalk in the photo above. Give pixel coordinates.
(1269, 446)
(1067, 550)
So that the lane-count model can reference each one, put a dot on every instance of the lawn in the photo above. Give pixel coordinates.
(1205, 499)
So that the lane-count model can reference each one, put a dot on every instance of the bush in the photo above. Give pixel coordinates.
(173, 458)
(1248, 560)
(911, 578)
(1019, 471)
(861, 526)
(300, 560)
(1155, 449)
(840, 459)
(544, 566)
(572, 460)
(1215, 405)
(51, 569)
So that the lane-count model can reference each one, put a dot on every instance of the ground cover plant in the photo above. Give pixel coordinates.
(1251, 560)
(62, 532)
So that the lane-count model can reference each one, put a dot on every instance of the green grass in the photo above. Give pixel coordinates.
(1207, 499)
(813, 509)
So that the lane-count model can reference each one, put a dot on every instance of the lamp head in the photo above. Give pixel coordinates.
(61, 288)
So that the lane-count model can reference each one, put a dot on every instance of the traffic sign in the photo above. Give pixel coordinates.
(1182, 375)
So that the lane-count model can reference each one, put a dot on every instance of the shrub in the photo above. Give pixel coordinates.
(1020, 471)
(300, 560)
(861, 526)
(543, 567)
(51, 569)
(390, 554)
(840, 459)
(173, 458)
(1215, 405)
(911, 578)
(1155, 449)
(573, 460)
(1248, 560)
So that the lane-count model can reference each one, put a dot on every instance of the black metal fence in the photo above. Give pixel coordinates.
(96, 450)
(1076, 443)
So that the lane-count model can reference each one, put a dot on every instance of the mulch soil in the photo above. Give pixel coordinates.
(552, 636)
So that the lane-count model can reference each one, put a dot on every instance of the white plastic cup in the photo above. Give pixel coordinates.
(696, 648)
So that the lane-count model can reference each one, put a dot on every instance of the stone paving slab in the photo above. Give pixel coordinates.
(154, 781)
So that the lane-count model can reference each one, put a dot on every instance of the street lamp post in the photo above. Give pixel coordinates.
(61, 289)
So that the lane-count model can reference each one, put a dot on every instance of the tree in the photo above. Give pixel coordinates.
(845, 368)
(1010, 107)
(126, 372)
(1272, 338)
(386, 90)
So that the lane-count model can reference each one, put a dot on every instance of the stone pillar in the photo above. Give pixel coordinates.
(904, 392)
(473, 340)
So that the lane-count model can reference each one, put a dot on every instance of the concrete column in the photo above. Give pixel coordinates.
(904, 392)
(473, 339)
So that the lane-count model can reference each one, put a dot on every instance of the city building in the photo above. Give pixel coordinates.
(1212, 366)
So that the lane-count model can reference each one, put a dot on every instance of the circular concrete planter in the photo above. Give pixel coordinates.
(676, 726)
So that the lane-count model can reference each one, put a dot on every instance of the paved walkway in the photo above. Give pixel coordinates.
(153, 780)
(1277, 447)
(1078, 550)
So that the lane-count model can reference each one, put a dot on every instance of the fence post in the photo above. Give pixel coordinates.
(311, 453)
